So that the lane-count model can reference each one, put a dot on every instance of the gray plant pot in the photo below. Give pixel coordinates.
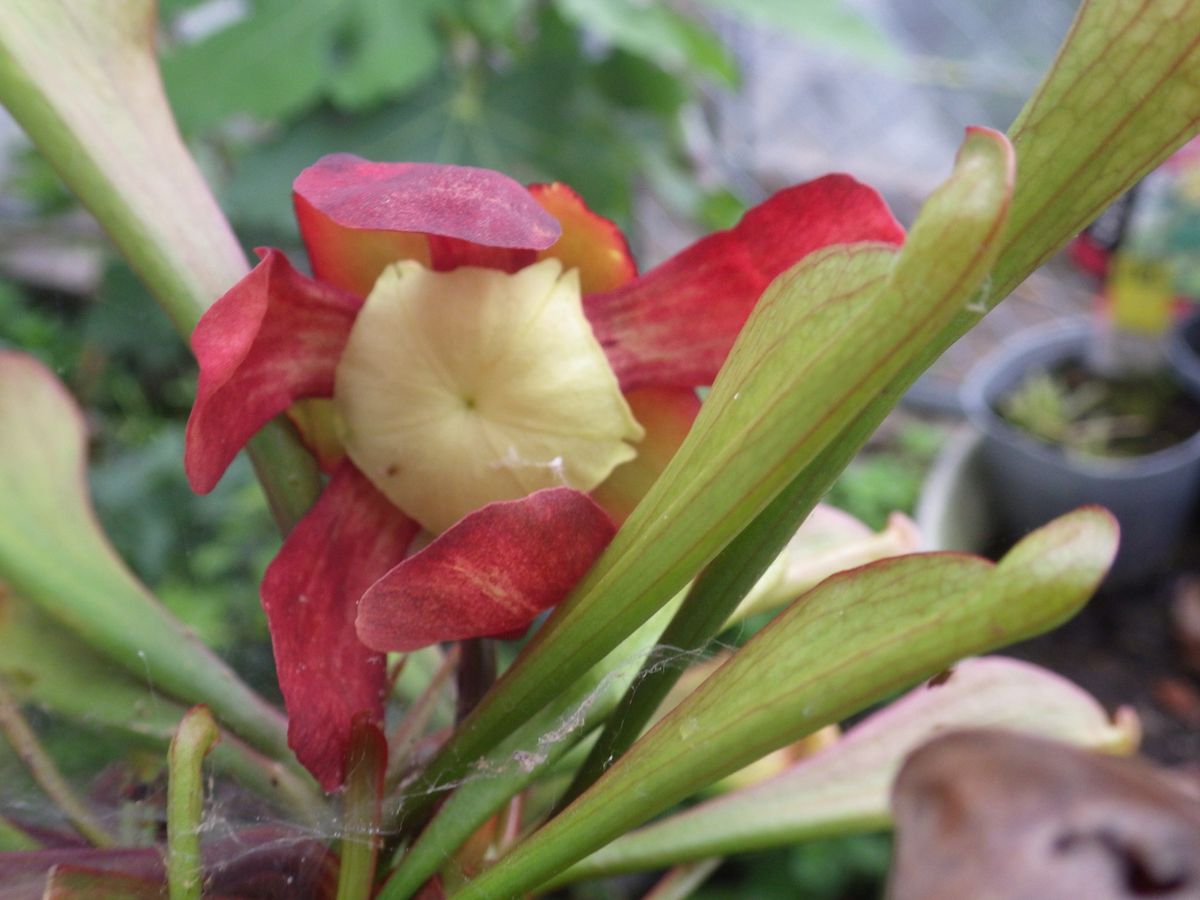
(1029, 482)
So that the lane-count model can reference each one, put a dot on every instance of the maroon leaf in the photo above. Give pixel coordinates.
(274, 338)
(991, 813)
(674, 326)
(256, 863)
(351, 537)
(489, 574)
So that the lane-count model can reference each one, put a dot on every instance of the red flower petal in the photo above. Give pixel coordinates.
(351, 537)
(357, 216)
(590, 243)
(275, 337)
(675, 325)
(489, 574)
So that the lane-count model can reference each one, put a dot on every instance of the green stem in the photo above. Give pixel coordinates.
(363, 806)
(46, 773)
(196, 736)
(287, 472)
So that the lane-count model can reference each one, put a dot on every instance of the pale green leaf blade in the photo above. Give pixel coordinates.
(853, 639)
(1123, 94)
(845, 787)
(53, 553)
(48, 667)
(823, 341)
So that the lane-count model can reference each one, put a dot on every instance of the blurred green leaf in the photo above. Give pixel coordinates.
(656, 32)
(270, 64)
(539, 118)
(27, 324)
(855, 638)
(828, 23)
(285, 56)
(629, 80)
(383, 47)
(496, 20)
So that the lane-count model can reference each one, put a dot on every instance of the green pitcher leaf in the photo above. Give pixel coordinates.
(823, 341)
(850, 641)
(47, 666)
(50, 667)
(1091, 131)
(81, 78)
(53, 553)
(1122, 95)
(845, 787)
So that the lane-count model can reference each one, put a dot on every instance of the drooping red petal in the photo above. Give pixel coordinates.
(675, 325)
(275, 337)
(357, 216)
(667, 415)
(489, 574)
(351, 537)
(590, 243)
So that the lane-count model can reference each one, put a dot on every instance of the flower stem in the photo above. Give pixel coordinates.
(46, 773)
(196, 736)
(363, 811)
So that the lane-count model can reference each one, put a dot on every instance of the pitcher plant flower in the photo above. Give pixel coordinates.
(504, 385)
